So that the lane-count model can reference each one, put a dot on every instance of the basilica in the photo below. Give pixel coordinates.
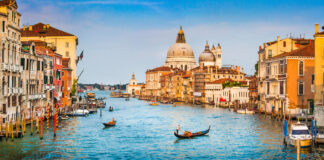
(182, 79)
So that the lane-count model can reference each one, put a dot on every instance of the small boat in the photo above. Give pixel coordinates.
(154, 103)
(201, 133)
(64, 118)
(109, 124)
(245, 111)
(299, 131)
(111, 109)
(127, 99)
(320, 137)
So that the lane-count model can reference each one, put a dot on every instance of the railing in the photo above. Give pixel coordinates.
(9, 91)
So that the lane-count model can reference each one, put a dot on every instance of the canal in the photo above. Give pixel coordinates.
(146, 132)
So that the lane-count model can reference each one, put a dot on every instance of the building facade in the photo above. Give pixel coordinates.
(133, 88)
(10, 70)
(64, 43)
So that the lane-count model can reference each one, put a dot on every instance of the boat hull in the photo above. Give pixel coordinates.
(201, 133)
(304, 143)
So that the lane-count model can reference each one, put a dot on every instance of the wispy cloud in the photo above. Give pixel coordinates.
(112, 2)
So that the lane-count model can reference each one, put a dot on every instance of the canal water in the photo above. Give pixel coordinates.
(146, 132)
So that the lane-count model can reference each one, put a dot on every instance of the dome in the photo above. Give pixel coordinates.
(181, 50)
(207, 55)
(180, 55)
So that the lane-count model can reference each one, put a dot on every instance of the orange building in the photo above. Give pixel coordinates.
(66, 83)
(291, 87)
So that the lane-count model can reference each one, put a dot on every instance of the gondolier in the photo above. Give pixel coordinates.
(178, 128)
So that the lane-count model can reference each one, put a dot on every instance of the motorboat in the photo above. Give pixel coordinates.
(320, 137)
(245, 111)
(299, 131)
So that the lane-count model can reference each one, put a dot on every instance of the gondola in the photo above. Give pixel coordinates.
(111, 109)
(201, 133)
(109, 124)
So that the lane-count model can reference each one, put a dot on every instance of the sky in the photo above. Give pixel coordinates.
(121, 37)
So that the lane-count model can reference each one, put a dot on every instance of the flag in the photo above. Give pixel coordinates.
(81, 55)
(77, 60)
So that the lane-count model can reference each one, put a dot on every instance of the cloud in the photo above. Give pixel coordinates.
(112, 2)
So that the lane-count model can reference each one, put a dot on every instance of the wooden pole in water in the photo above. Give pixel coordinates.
(55, 125)
(100, 111)
(31, 125)
(37, 125)
(7, 130)
(24, 125)
(298, 149)
(47, 116)
(0, 127)
(41, 127)
(17, 127)
(11, 128)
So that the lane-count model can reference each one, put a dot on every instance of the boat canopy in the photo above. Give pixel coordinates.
(300, 132)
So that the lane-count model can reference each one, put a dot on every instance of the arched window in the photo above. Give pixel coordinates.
(186, 67)
(171, 66)
(182, 67)
(284, 44)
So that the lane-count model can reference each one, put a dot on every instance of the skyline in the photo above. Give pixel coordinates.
(139, 33)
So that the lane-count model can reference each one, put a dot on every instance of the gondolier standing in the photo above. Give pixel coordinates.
(178, 129)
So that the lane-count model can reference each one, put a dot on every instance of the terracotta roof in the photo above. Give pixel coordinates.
(37, 42)
(41, 29)
(41, 50)
(306, 51)
(221, 81)
(163, 68)
(7, 2)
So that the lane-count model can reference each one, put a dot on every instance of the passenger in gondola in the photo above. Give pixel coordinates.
(178, 129)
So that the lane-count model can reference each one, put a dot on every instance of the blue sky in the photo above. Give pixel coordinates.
(120, 37)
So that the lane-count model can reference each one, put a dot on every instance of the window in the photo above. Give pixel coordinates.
(219, 56)
(281, 67)
(66, 44)
(22, 63)
(268, 88)
(301, 68)
(67, 54)
(38, 65)
(313, 78)
(281, 87)
(323, 99)
(269, 53)
(284, 43)
(300, 88)
(323, 79)
(268, 69)
(3, 26)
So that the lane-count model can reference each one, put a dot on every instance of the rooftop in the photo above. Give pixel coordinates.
(41, 29)
(305, 51)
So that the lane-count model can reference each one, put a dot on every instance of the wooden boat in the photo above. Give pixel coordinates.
(64, 118)
(109, 124)
(299, 131)
(127, 99)
(111, 109)
(245, 111)
(201, 133)
(154, 103)
(320, 137)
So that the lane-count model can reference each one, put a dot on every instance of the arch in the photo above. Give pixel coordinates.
(186, 67)
(182, 67)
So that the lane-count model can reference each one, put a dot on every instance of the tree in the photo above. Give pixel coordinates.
(256, 67)
(73, 90)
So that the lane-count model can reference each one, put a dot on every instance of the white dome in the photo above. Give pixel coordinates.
(207, 55)
(180, 50)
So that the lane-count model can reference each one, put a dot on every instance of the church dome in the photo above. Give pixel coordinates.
(207, 55)
(182, 50)
(180, 55)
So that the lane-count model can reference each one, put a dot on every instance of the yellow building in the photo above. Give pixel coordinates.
(319, 76)
(64, 42)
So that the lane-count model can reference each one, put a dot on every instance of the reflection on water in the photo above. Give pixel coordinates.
(146, 132)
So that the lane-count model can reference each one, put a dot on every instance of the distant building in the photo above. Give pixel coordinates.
(66, 83)
(217, 92)
(133, 88)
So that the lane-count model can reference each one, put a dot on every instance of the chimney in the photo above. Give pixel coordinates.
(278, 39)
(47, 26)
(316, 28)
(30, 28)
(260, 48)
(24, 27)
(264, 45)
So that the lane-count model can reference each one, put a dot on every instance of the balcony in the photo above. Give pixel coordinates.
(20, 69)
(15, 90)
(11, 68)
(20, 90)
(4, 67)
(10, 91)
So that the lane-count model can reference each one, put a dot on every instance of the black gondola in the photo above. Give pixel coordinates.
(201, 133)
(111, 109)
(109, 124)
